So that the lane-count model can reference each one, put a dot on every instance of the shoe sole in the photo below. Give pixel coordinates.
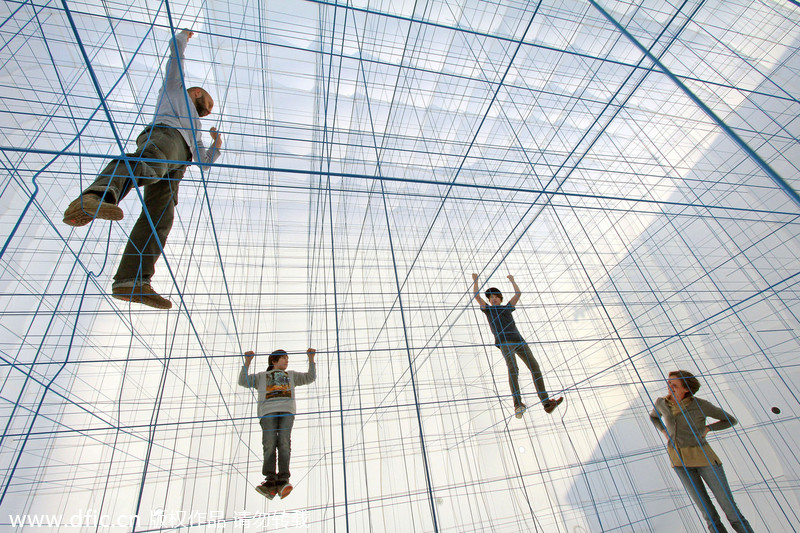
(285, 491)
(160, 303)
(520, 414)
(77, 215)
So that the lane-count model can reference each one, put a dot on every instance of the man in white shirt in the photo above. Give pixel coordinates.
(164, 149)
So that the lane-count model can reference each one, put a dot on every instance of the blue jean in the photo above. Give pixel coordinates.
(276, 438)
(714, 476)
(524, 352)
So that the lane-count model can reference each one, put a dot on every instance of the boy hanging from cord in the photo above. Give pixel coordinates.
(507, 337)
(276, 410)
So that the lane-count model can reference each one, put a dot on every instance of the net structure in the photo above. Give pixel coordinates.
(633, 164)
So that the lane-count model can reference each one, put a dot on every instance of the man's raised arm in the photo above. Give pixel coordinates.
(172, 74)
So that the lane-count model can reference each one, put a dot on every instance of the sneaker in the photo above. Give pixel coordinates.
(550, 405)
(268, 489)
(285, 490)
(88, 207)
(141, 294)
(520, 410)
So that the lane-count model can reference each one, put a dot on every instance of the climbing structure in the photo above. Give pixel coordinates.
(634, 165)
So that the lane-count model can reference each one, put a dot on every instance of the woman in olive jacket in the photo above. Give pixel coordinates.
(684, 425)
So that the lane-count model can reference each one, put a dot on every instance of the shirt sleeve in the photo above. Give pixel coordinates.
(173, 80)
(661, 409)
(304, 378)
(205, 155)
(246, 380)
(725, 420)
(655, 418)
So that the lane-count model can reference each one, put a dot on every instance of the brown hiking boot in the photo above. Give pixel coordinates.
(550, 405)
(88, 207)
(141, 294)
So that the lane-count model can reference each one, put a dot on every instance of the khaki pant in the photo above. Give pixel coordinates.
(160, 180)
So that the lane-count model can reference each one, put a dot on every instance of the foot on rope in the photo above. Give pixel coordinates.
(88, 207)
(550, 405)
(141, 294)
(267, 488)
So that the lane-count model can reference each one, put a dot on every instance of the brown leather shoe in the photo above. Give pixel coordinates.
(88, 207)
(550, 405)
(141, 294)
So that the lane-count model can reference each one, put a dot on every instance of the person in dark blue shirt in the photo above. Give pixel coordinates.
(508, 338)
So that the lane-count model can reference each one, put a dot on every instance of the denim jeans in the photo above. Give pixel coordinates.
(714, 476)
(524, 352)
(160, 180)
(276, 438)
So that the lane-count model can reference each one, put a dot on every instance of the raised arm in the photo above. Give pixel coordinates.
(477, 292)
(209, 155)
(216, 146)
(304, 378)
(517, 293)
(246, 379)
(177, 45)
